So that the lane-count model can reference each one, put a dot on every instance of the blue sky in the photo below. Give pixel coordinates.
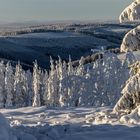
(48, 10)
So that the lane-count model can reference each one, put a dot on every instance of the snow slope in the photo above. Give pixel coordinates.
(70, 123)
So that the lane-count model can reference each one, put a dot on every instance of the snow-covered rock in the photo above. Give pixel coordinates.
(131, 13)
(131, 40)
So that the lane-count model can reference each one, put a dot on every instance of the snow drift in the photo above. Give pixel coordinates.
(5, 130)
(131, 13)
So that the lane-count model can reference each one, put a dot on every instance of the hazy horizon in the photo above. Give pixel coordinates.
(56, 10)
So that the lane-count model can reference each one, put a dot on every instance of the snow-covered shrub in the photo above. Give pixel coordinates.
(131, 92)
(131, 13)
(131, 40)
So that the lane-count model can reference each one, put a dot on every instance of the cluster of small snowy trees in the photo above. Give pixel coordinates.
(65, 85)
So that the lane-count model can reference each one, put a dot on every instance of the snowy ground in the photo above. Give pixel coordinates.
(73, 123)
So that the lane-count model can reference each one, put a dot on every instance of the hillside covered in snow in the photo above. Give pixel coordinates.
(28, 43)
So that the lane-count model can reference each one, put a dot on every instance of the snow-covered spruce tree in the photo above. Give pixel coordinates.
(45, 87)
(19, 87)
(70, 67)
(9, 82)
(2, 78)
(42, 87)
(59, 68)
(29, 85)
(63, 73)
(80, 69)
(36, 85)
(53, 96)
(131, 93)
(65, 70)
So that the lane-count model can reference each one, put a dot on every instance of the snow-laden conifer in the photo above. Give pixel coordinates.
(9, 82)
(19, 86)
(131, 92)
(36, 85)
(2, 78)
(29, 85)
